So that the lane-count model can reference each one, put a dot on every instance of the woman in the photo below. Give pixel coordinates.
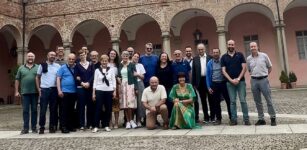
(113, 64)
(182, 95)
(84, 73)
(104, 88)
(164, 73)
(140, 71)
(128, 82)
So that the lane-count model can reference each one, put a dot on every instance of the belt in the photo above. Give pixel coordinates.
(259, 78)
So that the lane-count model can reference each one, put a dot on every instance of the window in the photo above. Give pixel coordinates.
(157, 49)
(301, 38)
(248, 39)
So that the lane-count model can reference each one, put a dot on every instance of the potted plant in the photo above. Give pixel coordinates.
(292, 79)
(284, 79)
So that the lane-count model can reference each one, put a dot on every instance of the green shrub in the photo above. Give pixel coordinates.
(292, 77)
(283, 78)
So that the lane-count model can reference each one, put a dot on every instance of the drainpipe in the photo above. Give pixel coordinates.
(282, 38)
(24, 3)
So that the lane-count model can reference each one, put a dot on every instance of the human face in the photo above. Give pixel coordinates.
(188, 52)
(201, 49)
(154, 82)
(30, 58)
(82, 56)
(71, 59)
(60, 51)
(163, 58)
(125, 58)
(135, 58)
(112, 55)
(253, 47)
(216, 53)
(181, 80)
(231, 46)
(104, 62)
(51, 56)
(94, 57)
(178, 55)
(131, 51)
(148, 49)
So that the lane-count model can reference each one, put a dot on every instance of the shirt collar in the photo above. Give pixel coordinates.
(205, 55)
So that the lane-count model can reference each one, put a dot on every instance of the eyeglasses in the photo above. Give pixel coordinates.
(177, 54)
(149, 48)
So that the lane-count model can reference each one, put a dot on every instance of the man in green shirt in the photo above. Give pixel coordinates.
(26, 89)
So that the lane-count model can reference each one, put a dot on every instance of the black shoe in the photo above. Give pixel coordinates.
(64, 130)
(51, 130)
(34, 130)
(233, 123)
(24, 131)
(260, 122)
(247, 123)
(73, 130)
(273, 122)
(217, 122)
(41, 131)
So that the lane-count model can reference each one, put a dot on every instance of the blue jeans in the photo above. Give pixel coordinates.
(48, 96)
(85, 99)
(240, 88)
(27, 100)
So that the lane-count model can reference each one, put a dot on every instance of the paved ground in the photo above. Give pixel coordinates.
(291, 132)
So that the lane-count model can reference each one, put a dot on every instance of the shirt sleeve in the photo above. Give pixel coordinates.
(223, 61)
(163, 94)
(142, 69)
(60, 72)
(173, 94)
(39, 70)
(242, 58)
(268, 61)
(95, 79)
(113, 80)
(18, 75)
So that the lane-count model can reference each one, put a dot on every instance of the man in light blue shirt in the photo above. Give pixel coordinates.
(67, 91)
(46, 86)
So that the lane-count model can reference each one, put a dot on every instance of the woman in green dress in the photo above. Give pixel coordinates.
(182, 95)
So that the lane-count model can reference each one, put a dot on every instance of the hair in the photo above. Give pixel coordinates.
(104, 56)
(137, 53)
(116, 60)
(125, 53)
(81, 51)
(167, 59)
(148, 44)
(180, 75)
(216, 48)
(188, 47)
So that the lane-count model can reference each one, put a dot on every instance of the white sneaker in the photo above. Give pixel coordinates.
(139, 125)
(133, 125)
(107, 129)
(95, 130)
(128, 125)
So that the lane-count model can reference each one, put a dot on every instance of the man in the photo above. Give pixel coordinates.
(67, 91)
(94, 59)
(46, 86)
(233, 68)
(25, 88)
(131, 52)
(60, 55)
(153, 99)
(188, 55)
(199, 81)
(180, 65)
(259, 66)
(150, 62)
(216, 85)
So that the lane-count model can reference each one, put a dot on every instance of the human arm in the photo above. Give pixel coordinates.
(58, 84)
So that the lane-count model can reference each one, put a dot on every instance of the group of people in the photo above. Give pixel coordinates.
(83, 90)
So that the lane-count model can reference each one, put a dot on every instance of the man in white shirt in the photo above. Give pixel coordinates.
(153, 99)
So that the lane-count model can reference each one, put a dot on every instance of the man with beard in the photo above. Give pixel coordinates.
(233, 67)
(25, 88)
(259, 67)
(66, 86)
(131, 52)
(188, 55)
(46, 86)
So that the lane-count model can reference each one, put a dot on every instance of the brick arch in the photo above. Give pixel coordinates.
(154, 13)
(289, 4)
(72, 22)
(266, 10)
(15, 31)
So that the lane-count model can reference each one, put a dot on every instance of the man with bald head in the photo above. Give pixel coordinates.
(46, 86)
(259, 67)
(180, 65)
(234, 67)
(153, 99)
(199, 68)
(94, 55)
(66, 86)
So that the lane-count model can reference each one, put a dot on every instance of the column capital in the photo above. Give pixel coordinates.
(166, 34)
(220, 29)
(67, 44)
(115, 39)
(279, 24)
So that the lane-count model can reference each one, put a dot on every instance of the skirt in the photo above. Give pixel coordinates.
(127, 98)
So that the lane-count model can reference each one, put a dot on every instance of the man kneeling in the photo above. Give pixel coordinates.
(153, 99)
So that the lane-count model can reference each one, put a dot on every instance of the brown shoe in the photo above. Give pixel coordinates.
(165, 127)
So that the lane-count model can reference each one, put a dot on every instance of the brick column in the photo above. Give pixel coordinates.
(166, 42)
(115, 43)
(21, 55)
(222, 39)
(67, 48)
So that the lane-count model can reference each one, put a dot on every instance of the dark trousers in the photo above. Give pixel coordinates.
(27, 101)
(58, 112)
(85, 99)
(219, 89)
(203, 93)
(68, 105)
(48, 96)
(169, 103)
(196, 106)
(103, 99)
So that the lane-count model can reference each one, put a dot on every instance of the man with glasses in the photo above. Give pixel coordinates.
(233, 67)
(180, 65)
(199, 68)
(150, 62)
(131, 52)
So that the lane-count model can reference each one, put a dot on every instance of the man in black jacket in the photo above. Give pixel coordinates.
(199, 82)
